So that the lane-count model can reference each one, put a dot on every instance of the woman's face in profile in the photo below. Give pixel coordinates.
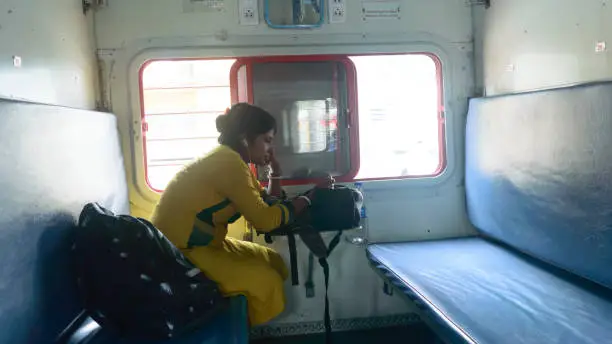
(260, 148)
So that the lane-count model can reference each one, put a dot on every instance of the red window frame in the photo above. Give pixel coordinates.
(238, 94)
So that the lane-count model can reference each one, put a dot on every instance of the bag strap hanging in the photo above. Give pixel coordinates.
(325, 265)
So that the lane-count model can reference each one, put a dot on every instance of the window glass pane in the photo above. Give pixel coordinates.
(181, 101)
(160, 151)
(187, 73)
(306, 98)
(186, 100)
(159, 176)
(398, 116)
(309, 126)
(197, 125)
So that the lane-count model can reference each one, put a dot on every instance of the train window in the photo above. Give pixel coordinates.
(392, 129)
(311, 98)
(401, 128)
(180, 102)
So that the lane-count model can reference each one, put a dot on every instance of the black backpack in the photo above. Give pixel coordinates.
(134, 281)
(334, 209)
(337, 208)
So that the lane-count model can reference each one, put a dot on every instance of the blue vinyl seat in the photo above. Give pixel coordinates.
(54, 161)
(538, 182)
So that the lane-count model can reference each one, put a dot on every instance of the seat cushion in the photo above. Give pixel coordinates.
(486, 293)
(54, 160)
(538, 175)
(229, 327)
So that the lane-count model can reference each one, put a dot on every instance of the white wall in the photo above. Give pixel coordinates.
(130, 32)
(545, 43)
(55, 41)
(123, 23)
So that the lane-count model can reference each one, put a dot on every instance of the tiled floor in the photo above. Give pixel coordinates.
(418, 334)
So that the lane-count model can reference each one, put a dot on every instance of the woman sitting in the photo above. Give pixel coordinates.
(216, 190)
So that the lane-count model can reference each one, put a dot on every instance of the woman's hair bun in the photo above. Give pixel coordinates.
(243, 121)
(221, 123)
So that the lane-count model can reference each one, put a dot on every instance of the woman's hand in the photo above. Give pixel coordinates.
(302, 202)
(328, 183)
(275, 173)
(274, 164)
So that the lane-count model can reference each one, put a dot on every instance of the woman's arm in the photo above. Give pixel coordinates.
(275, 187)
(237, 183)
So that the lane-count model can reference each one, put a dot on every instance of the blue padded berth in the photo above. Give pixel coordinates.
(487, 293)
(538, 184)
(54, 161)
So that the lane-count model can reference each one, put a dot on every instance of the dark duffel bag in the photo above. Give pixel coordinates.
(134, 281)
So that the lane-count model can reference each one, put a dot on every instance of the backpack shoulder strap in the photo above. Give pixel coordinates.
(293, 259)
(325, 265)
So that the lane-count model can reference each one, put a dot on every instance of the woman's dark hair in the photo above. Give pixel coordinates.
(244, 121)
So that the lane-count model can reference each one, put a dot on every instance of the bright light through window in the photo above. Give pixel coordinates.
(398, 112)
(398, 116)
(181, 101)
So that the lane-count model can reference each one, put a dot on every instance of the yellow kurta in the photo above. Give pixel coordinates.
(194, 212)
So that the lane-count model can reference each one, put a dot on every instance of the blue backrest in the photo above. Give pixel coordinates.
(539, 175)
(53, 160)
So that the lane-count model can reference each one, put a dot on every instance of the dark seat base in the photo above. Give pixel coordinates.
(230, 327)
(482, 292)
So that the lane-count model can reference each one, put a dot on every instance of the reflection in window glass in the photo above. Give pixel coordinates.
(310, 126)
(398, 116)
(309, 100)
(181, 101)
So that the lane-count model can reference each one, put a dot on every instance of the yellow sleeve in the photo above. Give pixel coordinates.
(244, 191)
